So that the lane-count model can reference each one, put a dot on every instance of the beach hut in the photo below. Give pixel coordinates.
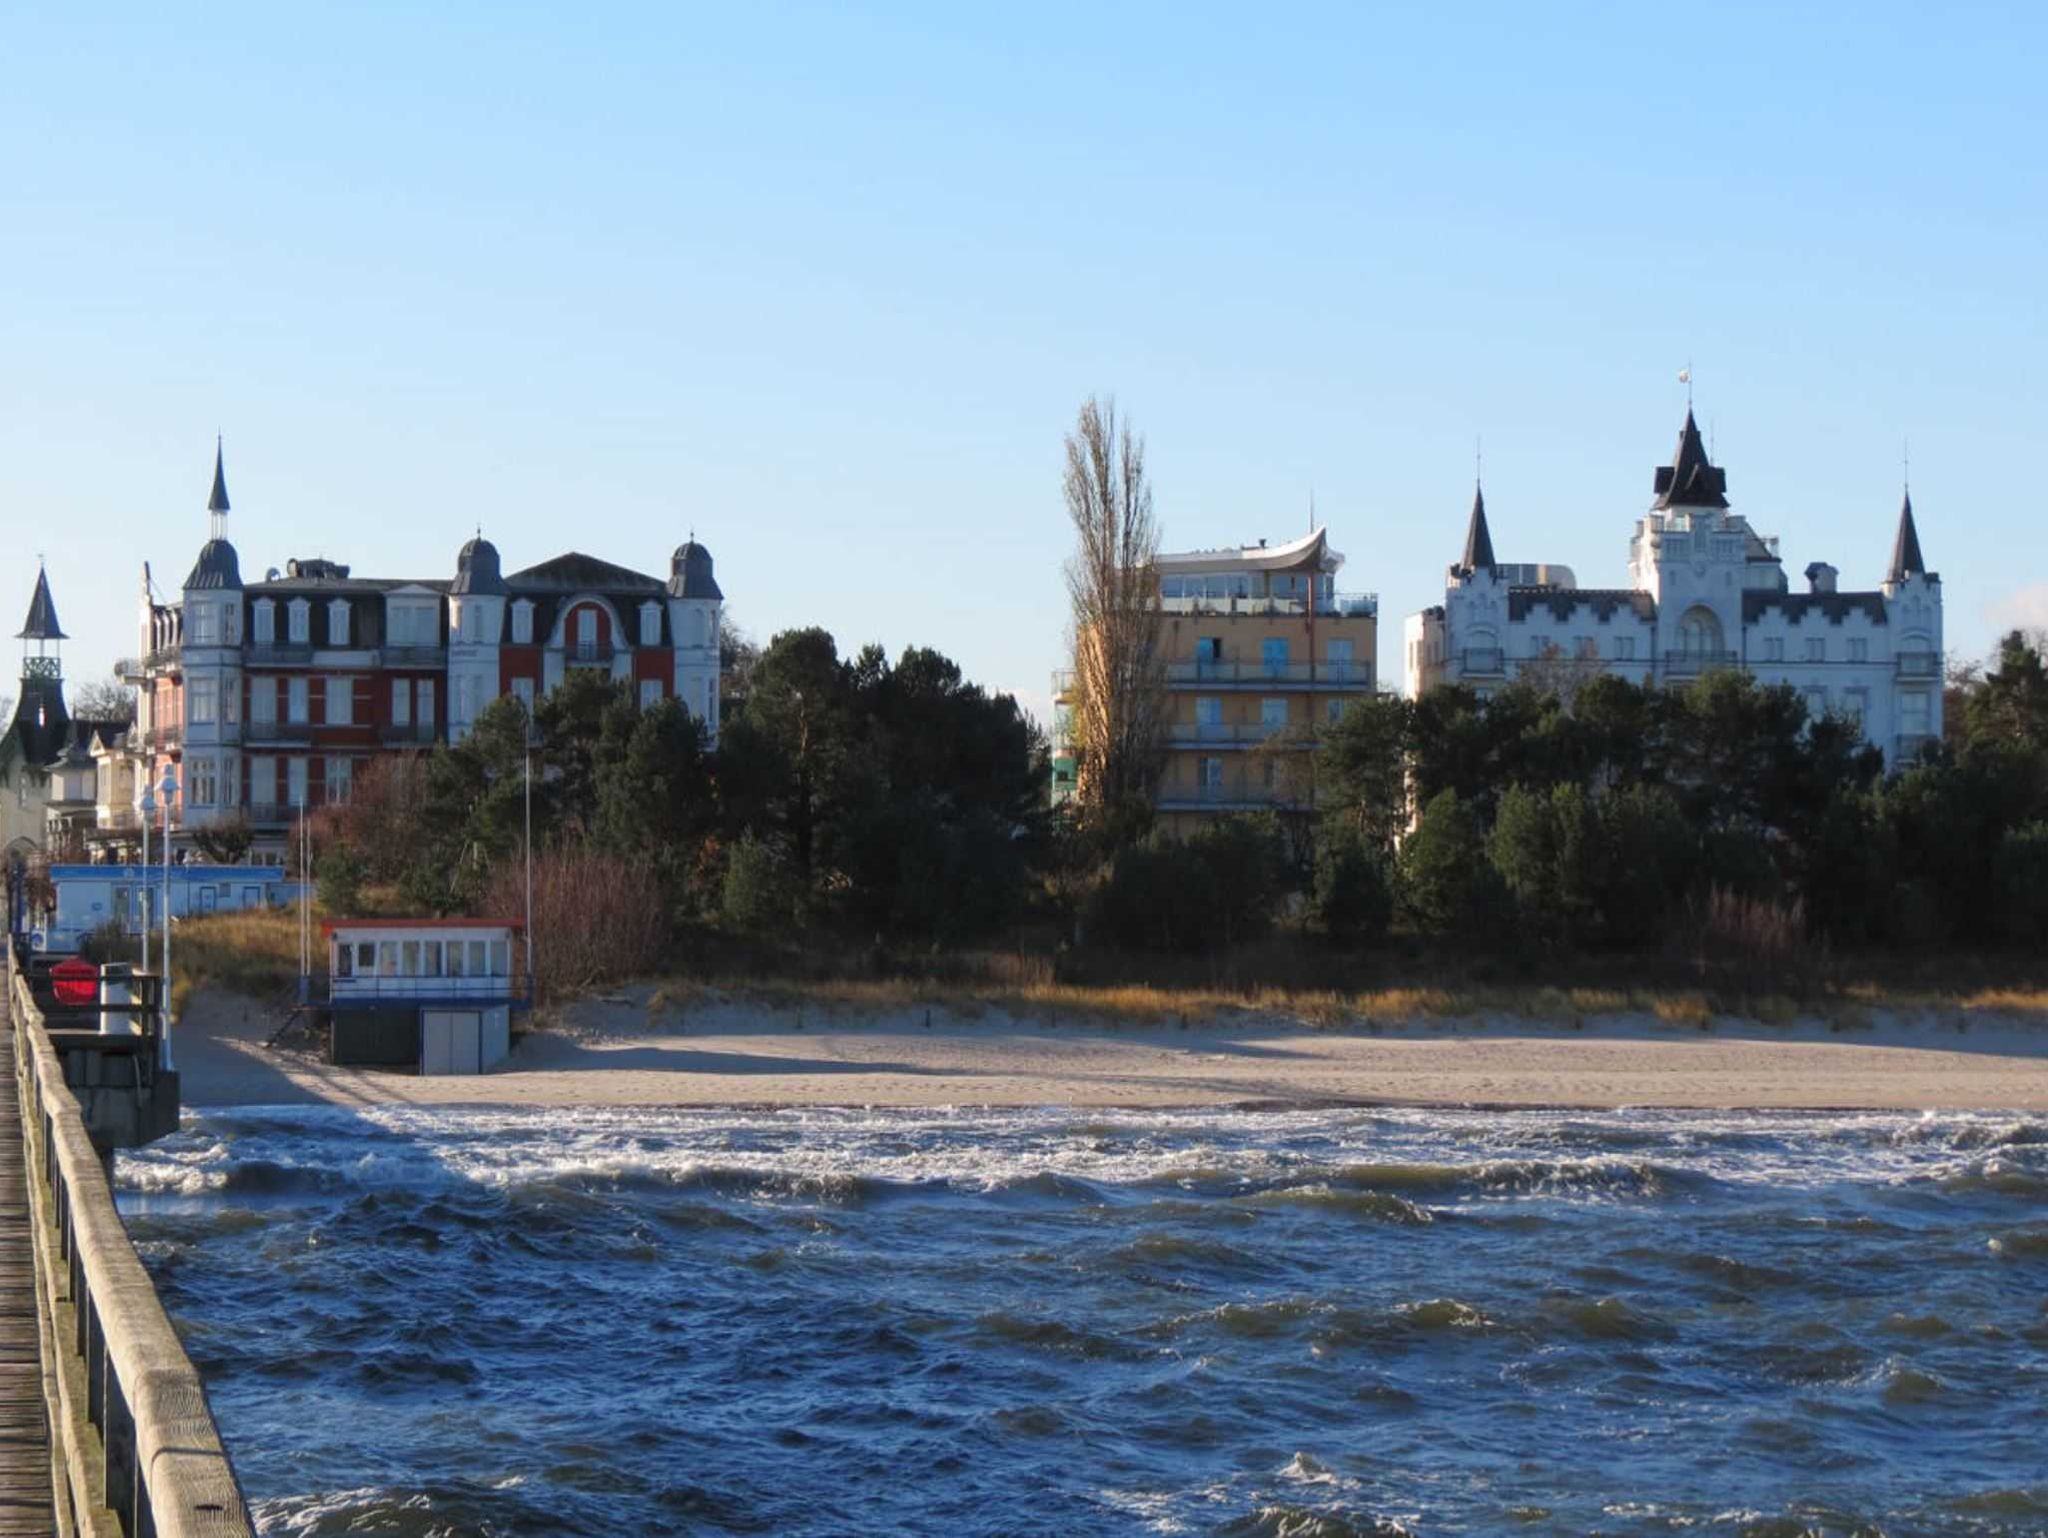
(436, 995)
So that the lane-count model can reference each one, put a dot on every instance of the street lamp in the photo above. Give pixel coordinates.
(167, 789)
(532, 742)
(148, 813)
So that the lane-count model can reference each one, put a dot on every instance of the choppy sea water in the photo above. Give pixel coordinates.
(1243, 1324)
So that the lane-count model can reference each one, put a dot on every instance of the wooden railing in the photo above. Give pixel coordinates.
(133, 1442)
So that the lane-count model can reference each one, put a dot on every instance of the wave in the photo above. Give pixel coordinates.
(1291, 1521)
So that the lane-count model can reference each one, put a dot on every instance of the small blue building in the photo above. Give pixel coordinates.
(92, 896)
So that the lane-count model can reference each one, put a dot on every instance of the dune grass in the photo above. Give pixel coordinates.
(254, 953)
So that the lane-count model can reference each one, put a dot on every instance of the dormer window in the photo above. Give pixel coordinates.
(266, 622)
(337, 622)
(650, 624)
(301, 616)
(522, 622)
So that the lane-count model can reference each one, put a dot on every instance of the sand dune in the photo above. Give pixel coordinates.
(739, 1052)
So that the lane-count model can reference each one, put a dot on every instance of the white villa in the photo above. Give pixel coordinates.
(1705, 591)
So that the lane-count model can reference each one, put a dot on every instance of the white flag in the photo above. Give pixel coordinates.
(1685, 376)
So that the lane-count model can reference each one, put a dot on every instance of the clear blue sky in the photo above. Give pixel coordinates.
(827, 289)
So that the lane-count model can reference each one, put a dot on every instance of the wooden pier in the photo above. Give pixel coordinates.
(26, 1472)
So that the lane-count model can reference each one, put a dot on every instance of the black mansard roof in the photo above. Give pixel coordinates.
(1832, 607)
(1605, 602)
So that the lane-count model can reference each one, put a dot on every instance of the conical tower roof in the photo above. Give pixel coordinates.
(1689, 480)
(1478, 538)
(41, 624)
(1906, 560)
(218, 501)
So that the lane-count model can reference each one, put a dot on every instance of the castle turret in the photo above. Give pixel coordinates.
(210, 733)
(693, 604)
(476, 627)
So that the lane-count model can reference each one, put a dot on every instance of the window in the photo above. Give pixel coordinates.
(401, 702)
(586, 632)
(408, 958)
(1774, 649)
(650, 625)
(231, 631)
(1336, 710)
(301, 619)
(1209, 773)
(1699, 632)
(230, 779)
(500, 959)
(1208, 710)
(337, 622)
(1208, 649)
(1913, 713)
(456, 963)
(410, 624)
(341, 698)
(295, 781)
(1273, 655)
(430, 958)
(344, 961)
(199, 625)
(263, 699)
(1625, 648)
(339, 779)
(423, 703)
(1859, 650)
(201, 701)
(522, 690)
(1273, 714)
(266, 622)
(1588, 646)
(650, 693)
(1855, 703)
(1340, 659)
(387, 958)
(262, 781)
(1816, 648)
(202, 788)
(465, 699)
(1816, 703)
(231, 702)
(522, 622)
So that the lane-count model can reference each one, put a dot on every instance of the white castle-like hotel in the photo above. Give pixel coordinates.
(1705, 591)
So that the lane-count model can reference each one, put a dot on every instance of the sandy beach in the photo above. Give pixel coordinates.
(737, 1052)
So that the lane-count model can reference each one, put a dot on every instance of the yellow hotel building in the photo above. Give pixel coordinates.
(1258, 642)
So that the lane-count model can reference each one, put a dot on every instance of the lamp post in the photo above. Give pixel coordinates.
(148, 813)
(167, 789)
(532, 742)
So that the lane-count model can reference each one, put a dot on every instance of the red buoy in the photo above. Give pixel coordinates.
(75, 982)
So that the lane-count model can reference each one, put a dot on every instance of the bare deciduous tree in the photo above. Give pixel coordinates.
(1119, 690)
(106, 699)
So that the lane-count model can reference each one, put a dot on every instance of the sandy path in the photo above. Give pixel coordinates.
(747, 1054)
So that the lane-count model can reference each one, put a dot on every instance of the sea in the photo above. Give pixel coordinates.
(1247, 1323)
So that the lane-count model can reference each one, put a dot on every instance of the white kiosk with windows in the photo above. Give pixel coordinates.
(436, 995)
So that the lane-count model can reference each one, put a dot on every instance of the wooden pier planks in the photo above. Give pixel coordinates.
(26, 1504)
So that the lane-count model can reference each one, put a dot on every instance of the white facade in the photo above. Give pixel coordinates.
(1705, 591)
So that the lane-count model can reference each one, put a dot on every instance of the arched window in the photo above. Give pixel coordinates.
(1699, 632)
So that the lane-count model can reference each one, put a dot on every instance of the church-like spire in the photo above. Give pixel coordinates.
(218, 502)
(1906, 561)
(1689, 480)
(1478, 554)
(41, 624)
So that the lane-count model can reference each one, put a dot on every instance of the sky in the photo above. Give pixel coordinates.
(826, 286)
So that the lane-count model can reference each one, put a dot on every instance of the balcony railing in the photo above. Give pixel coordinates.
(1907, 746)
(1310, 675)
(590, 654)
(1334, 606)
(408, 733)
(131, 670)
(1063, 681)
(485, 988)
(1919, 664)
(1227, 797)
(1697, 662)
(272, 654)
(277, 731)
(270, 813)
(1221, 733)
(166, 736)
(1482, 661)
(165, 657)
(411, 657)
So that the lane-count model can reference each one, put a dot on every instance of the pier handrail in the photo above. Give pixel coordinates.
(130, 1429)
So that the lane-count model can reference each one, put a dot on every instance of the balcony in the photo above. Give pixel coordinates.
(417, 734)
(277, 731)
(589, 654)
(131, 670)
(1919, 664)
(1222, 734)
(270, 814)
(1262, 674)
(1482, 662)
(410, 657)
(165, 659)
(166, 736)
(269, 654)
(1332, 606)
(1697, 662)
(1229, 798)
(1908, 746)
(1062, 682)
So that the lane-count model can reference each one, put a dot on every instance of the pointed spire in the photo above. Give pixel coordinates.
(1690, 480)
(41, 624)
(1906, 561)
(1478, 554)
(218, 502)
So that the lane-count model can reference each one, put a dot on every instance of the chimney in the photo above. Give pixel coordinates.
(1820, 577)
